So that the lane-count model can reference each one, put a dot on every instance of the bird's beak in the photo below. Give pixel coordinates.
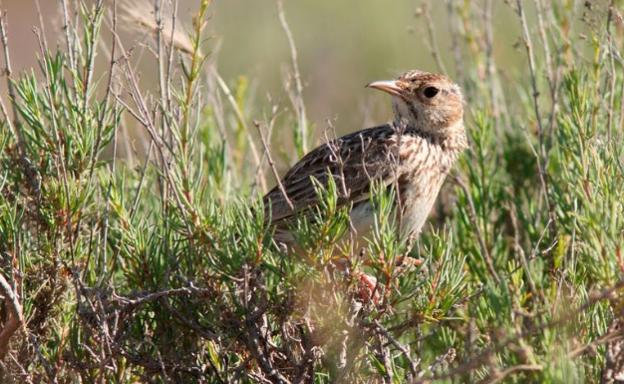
(390, 86)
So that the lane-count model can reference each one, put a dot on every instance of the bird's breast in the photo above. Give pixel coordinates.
(423, 171)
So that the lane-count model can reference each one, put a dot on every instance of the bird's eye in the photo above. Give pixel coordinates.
(430, 92)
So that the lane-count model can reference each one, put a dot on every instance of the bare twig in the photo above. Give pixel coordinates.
(50, 370)
(383, 355)
(188, 322)
(489, 58)
(145, 118)
(69, 37)
(500, 376)
(542, 158)
(259, 177)
(239, 116)
(541, 27)
(455, 35)
(272, 165)
(432, 41)
(139, 187)
(297, 98)
(172, 37)
(612, 75)
(552, 72)
(14, 316)
(109, 85)
(137, 299)
(402, 348)
(613, 335)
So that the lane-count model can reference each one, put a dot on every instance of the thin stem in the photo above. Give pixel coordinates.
(14, 318)
(298, 102)
(542, 158)
(272, 165)
(472, 214)
(432, 40)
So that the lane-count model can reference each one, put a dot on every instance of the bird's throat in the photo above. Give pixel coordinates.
(451, 137)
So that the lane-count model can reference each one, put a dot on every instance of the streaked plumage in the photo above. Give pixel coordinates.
(412, 154)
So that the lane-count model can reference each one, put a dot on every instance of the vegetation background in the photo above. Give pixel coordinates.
(138, 137)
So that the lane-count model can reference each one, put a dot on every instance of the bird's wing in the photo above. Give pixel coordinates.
(354, 161)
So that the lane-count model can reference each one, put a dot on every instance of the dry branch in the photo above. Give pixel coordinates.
(14, 315)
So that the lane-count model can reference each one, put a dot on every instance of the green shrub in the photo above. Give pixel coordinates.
(158, 266)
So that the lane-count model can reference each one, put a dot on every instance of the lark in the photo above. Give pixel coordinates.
(411, 155)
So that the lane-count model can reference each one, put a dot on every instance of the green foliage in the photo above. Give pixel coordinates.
(160, 267)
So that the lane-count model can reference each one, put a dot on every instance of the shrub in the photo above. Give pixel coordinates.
(159, 267)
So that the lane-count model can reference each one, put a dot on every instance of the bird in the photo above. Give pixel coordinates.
(412, 155)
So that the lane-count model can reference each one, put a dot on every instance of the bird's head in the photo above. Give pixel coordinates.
(426, 101)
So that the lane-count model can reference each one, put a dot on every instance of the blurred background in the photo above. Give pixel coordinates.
(342, 45)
